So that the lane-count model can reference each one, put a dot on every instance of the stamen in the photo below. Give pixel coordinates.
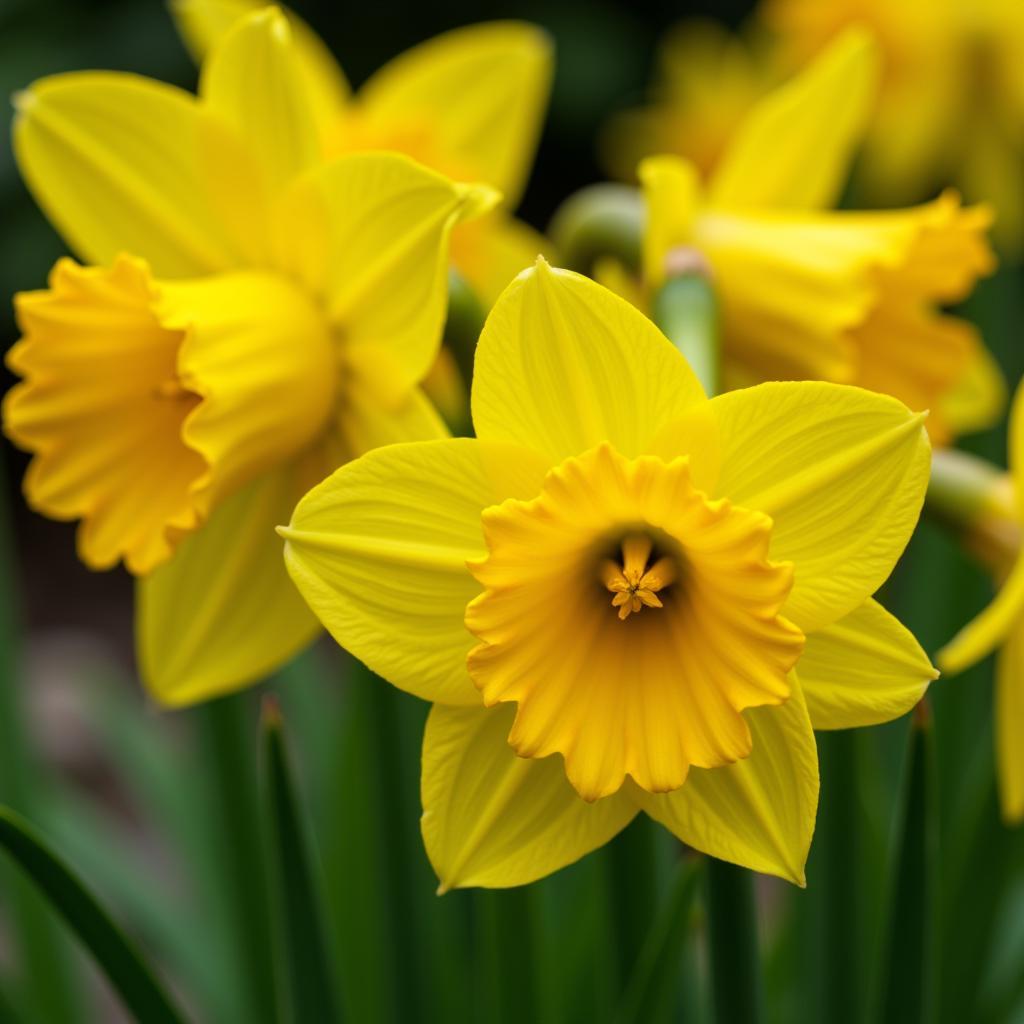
(170, 388)
(633, 585)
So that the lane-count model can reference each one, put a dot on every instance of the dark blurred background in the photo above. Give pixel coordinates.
(603, 59)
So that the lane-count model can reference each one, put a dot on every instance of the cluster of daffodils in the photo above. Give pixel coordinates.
(623, 594)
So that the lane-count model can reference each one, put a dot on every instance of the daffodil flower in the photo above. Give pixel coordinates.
(249, 318)
(952, 100)
(1000, 627)
(486, 575)
(468, 103)
(807, 293)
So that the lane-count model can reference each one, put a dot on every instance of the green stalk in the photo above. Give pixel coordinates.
(599, 221)
(228, 736)
(311, 981)
(685, 310)
(138, 987)
(46, 983)
(908, 954)
(732, 940)
(507, 970)
(839, 875)
(634, 890)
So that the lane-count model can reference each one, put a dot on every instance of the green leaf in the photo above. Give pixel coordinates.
(737, 989)
(648, 994)
(311, 981)
(139, 988)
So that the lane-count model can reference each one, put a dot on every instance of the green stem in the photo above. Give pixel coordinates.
(311, 980)
(908, 954)
(634, 891)
(507, 971)
(228, 734)
(600, 220)
(685, 310)
(838, 829)
(732, 937)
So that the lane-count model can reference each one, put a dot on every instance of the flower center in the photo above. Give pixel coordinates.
(635, 582)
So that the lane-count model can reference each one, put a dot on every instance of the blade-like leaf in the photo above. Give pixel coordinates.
(138, 986)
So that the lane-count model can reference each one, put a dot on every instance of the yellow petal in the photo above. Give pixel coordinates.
(203, 23)
(987, 631)
(496, 820)
(222, 613)
(370, 232)
(1009, 725)
(864, 669)
(491, 251)
(758, 813)
(841, 471)
(564, 365)
(253, 79)
(794, 148)
(477, 93)
(119, 164)
(978, 397)
(379, 551)
(671, 192)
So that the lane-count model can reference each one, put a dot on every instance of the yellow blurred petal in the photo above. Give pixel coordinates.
(563, 365)
(479, 94)
(203, 23)
(841, 471)
(864, 669)
(496, 820)
(370, 232)
(987, 631)
(222, 613)
(120, 163)
(253, 79)
(1009, 725)
(978, 397)
(671, 190)
(794, 148)
(379, 551)
(491, 251)
(758, 813)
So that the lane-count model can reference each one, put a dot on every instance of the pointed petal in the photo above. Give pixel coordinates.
(120, 163)
(987, 631)
(253, 79)
(496, 820)
(841, 471)
(564, 365)
(794, 148)
(865, 669)
(760, 812)
(203, 23)
(370, 232)
(222, 613)
(1009, 716)
(379, 551)
(459, 88)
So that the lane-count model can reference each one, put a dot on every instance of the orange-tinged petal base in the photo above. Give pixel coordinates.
(645, 695)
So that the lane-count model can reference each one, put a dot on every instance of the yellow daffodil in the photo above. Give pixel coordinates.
(809, 293)
(707, 79)
(606, 592)
(1000, 627)
(468, 103)
(952, 100)
(248, 318)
